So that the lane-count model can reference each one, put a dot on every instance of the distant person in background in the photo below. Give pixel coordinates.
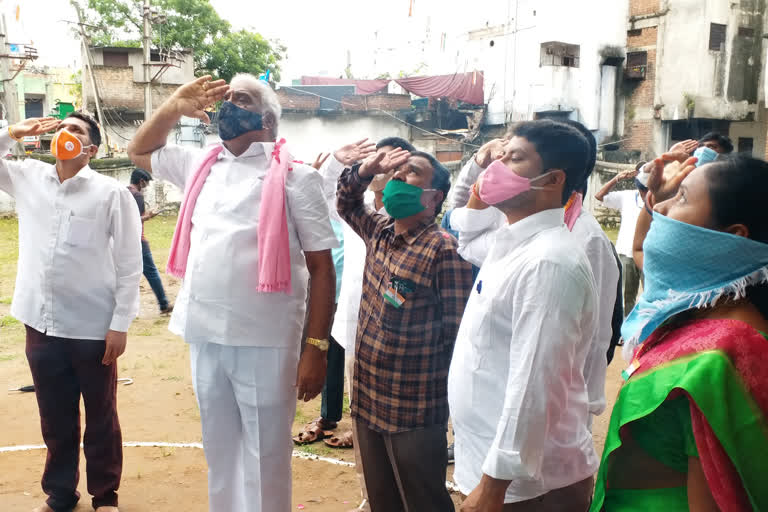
(630, 203)
(139, 181)
(717, 142)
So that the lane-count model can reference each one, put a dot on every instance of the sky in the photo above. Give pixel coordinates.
(319, 35)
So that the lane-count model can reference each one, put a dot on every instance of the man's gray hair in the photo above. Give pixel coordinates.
(269, 100)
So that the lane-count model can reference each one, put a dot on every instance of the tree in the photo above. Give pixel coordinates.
(190, 24)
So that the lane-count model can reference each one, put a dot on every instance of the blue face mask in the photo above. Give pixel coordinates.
(235, 121)
(705, 155)
(688, 267)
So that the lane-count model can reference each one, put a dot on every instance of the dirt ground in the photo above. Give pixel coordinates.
(160, 407)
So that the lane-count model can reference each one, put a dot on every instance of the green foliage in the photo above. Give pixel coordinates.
(243, 52)
(190, 25)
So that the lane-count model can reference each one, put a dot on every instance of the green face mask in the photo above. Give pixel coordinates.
(402, 199)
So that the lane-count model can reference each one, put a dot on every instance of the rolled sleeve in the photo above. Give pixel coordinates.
(126, 236)
(309, 210)
(462, 187)
(614, 200)
(174, 163)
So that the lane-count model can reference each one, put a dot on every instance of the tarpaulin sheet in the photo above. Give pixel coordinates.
(466, 87)
(361, 86)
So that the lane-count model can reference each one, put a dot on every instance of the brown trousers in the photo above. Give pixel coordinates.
(574, 498)
(63, 369)
(405, 472)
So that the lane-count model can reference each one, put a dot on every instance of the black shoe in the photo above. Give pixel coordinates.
(167, 310)
(450, 454)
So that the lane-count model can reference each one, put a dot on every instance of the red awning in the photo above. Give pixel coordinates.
(361, 86)
(466, 87)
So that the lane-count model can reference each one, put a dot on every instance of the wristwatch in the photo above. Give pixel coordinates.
(323, 345)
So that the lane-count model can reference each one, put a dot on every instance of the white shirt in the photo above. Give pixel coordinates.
(461, 189)
(344, 329)
(476, 236)
(218, 301)
(516, 387)
(605, 269)
(631, 204)
(79, 249)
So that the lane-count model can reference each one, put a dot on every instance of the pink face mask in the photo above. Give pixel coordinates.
(499, 183)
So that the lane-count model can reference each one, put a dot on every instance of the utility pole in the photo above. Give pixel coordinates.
(89, 68)
(10, 94)
(147, 59)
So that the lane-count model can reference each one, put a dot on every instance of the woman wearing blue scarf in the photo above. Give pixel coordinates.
(689, 429)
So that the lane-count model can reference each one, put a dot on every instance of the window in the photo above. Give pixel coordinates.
(746, 144)
(635, 32)
(637, 64)
(716, 37)
(560, 54)
(115, 59)
(746, 32)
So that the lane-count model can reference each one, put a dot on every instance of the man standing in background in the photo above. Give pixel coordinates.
(139, 181)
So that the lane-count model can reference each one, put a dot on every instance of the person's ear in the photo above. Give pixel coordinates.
(93, 149)
(738, 230)
(268, 122)
(556, 178)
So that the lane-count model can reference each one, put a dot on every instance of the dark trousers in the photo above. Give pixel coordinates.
(153, 275)
(62, 370)
(405, 472)
(574, 498)
(333, 390)
(630, 276)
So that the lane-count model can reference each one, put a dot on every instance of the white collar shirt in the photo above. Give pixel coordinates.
(218, 301)
(477, 234)
(516, 387)
(79, 249)
(630, 204)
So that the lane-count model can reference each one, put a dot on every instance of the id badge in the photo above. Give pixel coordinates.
(392, 296)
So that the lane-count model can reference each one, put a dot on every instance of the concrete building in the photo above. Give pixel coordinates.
(695, 66)
(119, 77)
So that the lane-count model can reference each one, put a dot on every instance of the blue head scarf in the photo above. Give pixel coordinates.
(689, 267)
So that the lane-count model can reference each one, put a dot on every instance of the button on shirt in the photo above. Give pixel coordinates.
(517, 392)
(630, 204)
(79, 249)
(218, 301)
(403, 353)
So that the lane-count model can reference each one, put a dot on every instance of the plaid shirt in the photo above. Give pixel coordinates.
(403, 353)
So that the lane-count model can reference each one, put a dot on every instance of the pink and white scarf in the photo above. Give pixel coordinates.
(274, 271)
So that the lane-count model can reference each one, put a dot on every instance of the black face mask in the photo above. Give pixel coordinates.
(235, 121)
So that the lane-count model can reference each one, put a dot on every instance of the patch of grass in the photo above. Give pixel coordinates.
(345, 407)
(147, 331)
(6, 300)
(8, 321)
(301, 418)
(174, 378)
(8, 357)
(9, 252)
(612, 233)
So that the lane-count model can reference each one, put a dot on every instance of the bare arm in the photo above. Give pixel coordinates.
(322, 292)
(641, 231)
(626, 175)
(188, 100)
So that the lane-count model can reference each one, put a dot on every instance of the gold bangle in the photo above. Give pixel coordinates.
(10, 132)
(323, 345)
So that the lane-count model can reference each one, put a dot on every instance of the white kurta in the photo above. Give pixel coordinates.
(244, 344)
(516, 388)
(79, 249)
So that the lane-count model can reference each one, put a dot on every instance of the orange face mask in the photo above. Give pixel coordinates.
(66, 146)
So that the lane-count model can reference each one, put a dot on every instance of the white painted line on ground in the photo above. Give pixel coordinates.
(161, 444)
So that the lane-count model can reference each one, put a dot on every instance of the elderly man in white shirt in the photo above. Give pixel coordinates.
(245, 344)
(77, 292)
(517, 391)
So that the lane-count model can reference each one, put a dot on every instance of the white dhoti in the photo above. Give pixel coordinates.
(247, 400)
